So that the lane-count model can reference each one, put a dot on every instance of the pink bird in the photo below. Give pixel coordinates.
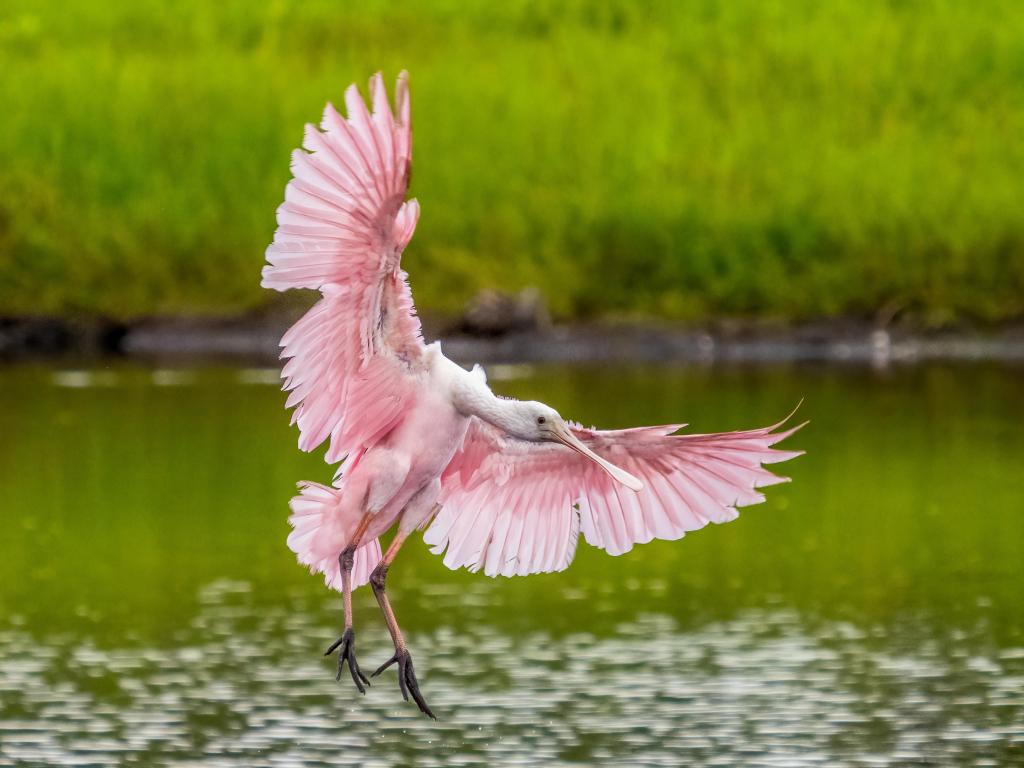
(506, 486)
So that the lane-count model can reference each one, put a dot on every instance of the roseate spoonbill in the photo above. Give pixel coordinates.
(509, 485)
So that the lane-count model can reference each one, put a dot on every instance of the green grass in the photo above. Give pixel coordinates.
(681, 159)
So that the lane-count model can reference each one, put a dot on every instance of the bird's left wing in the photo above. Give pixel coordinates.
(512, 507)
(342, 229)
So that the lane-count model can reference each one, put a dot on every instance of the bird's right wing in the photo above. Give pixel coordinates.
(342, 229)
(512, 507)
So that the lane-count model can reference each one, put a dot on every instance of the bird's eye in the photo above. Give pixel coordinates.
(541, 420)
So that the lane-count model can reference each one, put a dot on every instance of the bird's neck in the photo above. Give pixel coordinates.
(473, 397)
(504, 414)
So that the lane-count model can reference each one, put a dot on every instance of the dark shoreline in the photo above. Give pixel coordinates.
(255, 340)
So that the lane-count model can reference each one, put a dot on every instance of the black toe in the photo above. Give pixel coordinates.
(346, 647)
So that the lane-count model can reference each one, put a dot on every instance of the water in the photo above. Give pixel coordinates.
(871, 613)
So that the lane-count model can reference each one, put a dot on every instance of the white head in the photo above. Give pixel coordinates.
(530, 420)
(539, 423)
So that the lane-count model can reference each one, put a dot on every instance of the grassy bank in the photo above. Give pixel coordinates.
(786, 159)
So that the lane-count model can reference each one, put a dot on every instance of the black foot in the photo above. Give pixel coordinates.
(407, 680)
(347, 642)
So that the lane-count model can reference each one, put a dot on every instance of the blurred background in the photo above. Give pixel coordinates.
(677, 160)
(636, 212)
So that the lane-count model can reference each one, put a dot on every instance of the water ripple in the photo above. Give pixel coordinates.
(760, 689)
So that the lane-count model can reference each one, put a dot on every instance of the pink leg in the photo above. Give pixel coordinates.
(406, 675)
(347, 642)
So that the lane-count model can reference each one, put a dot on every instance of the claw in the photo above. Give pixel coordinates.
(385, 665)
(407, 682)
(347, 644)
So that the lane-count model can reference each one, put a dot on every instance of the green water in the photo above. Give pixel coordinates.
(871, 612)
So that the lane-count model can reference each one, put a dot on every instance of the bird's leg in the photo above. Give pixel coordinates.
(406, 674)
(346, 644)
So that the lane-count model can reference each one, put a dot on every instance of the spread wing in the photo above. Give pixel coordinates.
(342, 229)
(513, 507)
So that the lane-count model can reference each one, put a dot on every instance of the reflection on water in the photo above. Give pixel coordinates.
(244, 688)
(869, 614)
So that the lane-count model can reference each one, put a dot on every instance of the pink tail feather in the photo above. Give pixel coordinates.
(322, 529)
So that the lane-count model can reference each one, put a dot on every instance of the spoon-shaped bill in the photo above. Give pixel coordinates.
(568, 439)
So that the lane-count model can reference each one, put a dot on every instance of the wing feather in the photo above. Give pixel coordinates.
(514, 507)
(352, 358)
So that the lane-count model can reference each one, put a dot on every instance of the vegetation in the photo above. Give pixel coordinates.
(779, 158)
